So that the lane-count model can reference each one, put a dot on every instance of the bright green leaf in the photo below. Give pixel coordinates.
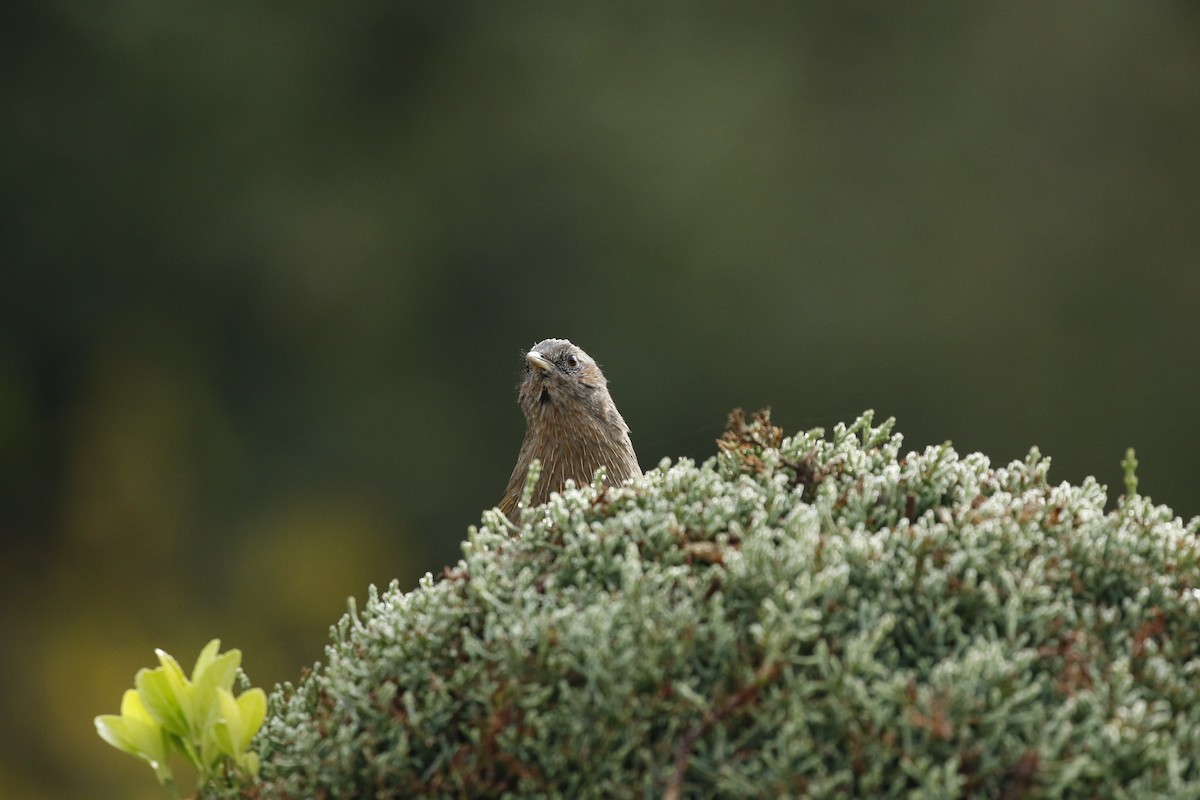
(253, 706)
(240, 720)
(171, 666)
(166, 697)
(206, 657)
(228, 729)
(112, 729)
(146, 733)
(220, 671)
(212, 672)
(137, 733)
(204, 709)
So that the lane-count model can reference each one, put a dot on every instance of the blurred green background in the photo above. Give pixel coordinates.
(266, 271)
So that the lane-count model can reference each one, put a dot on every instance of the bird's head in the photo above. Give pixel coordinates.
(561, 378)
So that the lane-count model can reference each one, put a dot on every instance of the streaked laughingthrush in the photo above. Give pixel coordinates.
(572, 425)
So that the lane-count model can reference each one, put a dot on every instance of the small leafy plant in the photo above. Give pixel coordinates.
(199, 719)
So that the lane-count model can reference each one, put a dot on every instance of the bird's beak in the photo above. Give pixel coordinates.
(535, 358)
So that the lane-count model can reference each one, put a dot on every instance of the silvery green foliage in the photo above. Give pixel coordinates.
(794, 617)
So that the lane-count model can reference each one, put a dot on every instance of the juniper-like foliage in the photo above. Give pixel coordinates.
(796, 617)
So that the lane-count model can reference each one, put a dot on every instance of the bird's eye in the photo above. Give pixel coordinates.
(572, 362)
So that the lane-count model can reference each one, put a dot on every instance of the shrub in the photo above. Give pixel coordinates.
(795, 617)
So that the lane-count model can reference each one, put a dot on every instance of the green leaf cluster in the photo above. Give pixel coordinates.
(806, 616)
(199, 718)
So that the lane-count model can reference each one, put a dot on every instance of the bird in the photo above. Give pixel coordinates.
(572, 425)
